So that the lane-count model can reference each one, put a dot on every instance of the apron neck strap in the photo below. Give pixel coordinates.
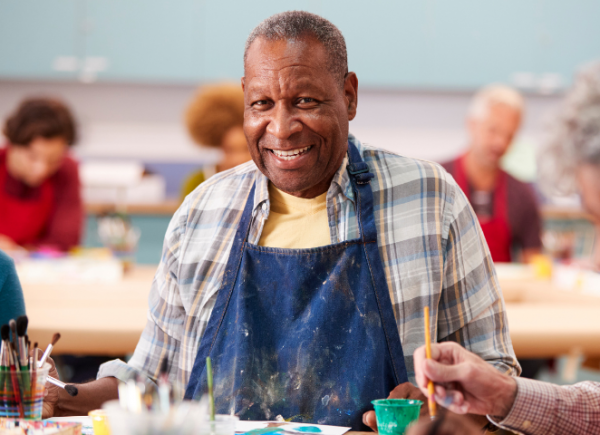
(360, 176)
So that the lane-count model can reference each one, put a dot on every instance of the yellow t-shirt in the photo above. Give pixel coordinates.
(295, 223)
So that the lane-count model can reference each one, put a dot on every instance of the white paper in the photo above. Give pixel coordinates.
(243, 426)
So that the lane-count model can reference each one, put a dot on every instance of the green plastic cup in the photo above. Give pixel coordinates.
(394, 416)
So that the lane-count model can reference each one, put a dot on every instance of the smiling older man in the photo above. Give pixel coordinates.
(304, 273)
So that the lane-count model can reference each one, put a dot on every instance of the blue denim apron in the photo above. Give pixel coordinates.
(308, 334)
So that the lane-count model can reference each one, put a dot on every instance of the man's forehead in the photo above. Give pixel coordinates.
(291, 57)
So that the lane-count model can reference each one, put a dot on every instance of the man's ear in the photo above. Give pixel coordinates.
(351, 94)
(243, 80)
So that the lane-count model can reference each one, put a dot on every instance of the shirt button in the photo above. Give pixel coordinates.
(526, 424)
(264, 206)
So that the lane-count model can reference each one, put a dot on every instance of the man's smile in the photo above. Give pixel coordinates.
(291, 154)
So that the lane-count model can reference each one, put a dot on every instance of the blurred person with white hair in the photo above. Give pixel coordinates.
(569, 162)
(506, 207)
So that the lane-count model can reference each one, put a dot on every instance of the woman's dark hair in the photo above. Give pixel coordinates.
(40, 117)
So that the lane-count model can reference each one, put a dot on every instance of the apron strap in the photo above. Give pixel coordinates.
(360, 176)
(223, 297)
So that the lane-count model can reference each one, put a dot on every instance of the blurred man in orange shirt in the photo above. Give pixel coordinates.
(506, 207)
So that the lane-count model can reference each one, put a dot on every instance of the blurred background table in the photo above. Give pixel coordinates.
(108, 318)
(93, 319)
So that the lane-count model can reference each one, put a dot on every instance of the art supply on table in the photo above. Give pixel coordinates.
(211, 396)
(430, 386)
(9, 426)
(394, 416)
(183, 418)
(23, 378)
(99, 422)
(248, 427)
(117, 234)
(18, 402)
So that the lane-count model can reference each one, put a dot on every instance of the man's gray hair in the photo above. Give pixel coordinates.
(495, 94)
(574, 136)
(294, 25)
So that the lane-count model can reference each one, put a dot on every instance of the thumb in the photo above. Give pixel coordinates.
(441, 372)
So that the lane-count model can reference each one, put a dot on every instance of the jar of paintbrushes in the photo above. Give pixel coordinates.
(21, 380)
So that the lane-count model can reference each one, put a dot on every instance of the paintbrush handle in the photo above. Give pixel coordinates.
(56, 382)
(45, 355)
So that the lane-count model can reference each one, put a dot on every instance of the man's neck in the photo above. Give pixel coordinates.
(481, 177)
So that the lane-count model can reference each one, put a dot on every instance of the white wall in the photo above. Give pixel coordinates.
(145, 121)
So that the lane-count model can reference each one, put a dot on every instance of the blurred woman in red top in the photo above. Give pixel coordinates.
(40, 199)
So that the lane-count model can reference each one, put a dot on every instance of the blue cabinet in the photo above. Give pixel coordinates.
(141, 40)
(226, 26)
(444, 44)
(37, 37)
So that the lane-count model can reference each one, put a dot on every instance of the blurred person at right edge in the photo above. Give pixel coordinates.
(506, 207)
(215, 118)
(464, 382)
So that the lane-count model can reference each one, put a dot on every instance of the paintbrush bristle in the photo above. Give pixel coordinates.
(13, 326)
(71, 390)
(55, 338)
(4, 332)
(22, 322)
(35, 345)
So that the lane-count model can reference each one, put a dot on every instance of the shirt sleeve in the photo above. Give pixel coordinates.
(66, 222)
(165, 324)
(543, 408)
(471, 310)
(12, 304)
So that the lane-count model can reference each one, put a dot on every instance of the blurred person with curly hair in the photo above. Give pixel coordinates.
(40, 194)
(215, 118)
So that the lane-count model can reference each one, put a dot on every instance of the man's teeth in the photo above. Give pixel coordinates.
(292, 154)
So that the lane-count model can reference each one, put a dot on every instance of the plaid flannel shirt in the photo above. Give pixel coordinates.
(541, 408)
(431, 246)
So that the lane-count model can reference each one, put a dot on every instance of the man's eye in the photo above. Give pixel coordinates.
(306, 100)
(260, 103)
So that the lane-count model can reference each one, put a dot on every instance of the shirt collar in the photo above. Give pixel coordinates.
(340, 183)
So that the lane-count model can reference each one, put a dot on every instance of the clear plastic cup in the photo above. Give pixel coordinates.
(394, 416)
(22, 393)
(184, 418)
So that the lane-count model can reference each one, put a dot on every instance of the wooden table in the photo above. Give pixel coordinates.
(104, 319)
(93, 319)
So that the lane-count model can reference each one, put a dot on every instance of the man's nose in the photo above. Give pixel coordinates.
(283, 124)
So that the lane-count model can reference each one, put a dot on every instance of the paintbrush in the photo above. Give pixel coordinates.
(211, 396)
(13, 330)
(70, 389)
(33, 366)
(4, 334)
(4, 360)
(437, 424)
(23, 361)
(14, 374)
(430, 387)
(48, 351)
